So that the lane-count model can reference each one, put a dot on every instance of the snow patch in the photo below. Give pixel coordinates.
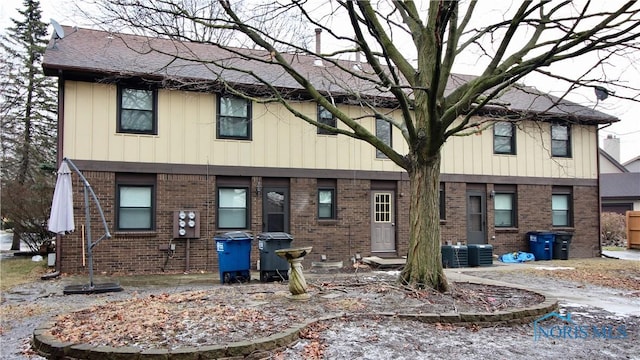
(390, 272)
(553, 268)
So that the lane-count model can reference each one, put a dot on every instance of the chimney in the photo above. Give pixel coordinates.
(318, 61)
(611, 145)
(318, 38)
(358, 65)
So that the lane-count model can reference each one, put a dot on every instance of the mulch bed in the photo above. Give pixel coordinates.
(233, 313)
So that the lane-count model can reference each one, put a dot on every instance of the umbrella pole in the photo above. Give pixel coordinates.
(88, 227)
(84, 254)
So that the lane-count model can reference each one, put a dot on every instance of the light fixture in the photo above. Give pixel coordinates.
(492, 194)
(259, 187)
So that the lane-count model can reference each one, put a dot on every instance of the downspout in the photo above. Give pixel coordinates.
(59, 157)
(598, 191)
(187, 255)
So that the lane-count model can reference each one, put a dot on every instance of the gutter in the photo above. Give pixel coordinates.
(599, 185)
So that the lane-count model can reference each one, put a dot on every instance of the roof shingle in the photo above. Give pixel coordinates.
(87, 51)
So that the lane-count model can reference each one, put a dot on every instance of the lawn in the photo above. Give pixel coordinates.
(19, 270)
(614, 248)
(621, 274)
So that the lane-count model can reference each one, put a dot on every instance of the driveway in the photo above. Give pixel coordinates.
(623, 254)
(620, 302)
(6, 239)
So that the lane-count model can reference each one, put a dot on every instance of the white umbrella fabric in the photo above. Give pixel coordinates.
(61, 217)
(61, 221)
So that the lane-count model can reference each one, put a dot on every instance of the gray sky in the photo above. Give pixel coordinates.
(627, 130)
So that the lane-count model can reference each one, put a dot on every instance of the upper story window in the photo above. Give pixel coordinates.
(560, 140)
(504, 138)
(561, 208)
(327, 118)
(383, 132)
(234, 118)
(135, 202)
(137, 111)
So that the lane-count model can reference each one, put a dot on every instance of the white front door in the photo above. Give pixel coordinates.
(383, 235)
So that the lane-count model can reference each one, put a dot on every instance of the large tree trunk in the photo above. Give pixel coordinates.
(424, 261)
(15, 242)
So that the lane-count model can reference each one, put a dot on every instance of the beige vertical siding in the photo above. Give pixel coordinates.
(187, 135)
(473, 154)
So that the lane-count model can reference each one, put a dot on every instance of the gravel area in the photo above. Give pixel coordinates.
(594, 333)
(25, 307)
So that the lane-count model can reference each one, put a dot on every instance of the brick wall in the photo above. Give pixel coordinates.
(586, 233)
(533, 203)
(453, 228)
(338, 239)
(534, 213)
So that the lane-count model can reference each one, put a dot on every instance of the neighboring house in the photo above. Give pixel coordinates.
(151, 149)
(633, 165)
(620, 192)
(610, 165)
(619, 184)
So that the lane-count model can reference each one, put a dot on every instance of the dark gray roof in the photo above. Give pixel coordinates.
(623, 185)
(105, 54)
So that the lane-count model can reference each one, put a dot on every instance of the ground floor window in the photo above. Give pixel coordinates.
(232, 208)
(561, 206)
(504, 206)
(326, 199)
(135, 201)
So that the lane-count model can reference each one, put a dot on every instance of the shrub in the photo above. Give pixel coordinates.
(26, 208)
(613, 229)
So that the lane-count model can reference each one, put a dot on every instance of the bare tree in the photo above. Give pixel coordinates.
(409, 50)
(191, 20)
(27, 117)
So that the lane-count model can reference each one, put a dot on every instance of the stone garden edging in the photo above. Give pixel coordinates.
(45, 344)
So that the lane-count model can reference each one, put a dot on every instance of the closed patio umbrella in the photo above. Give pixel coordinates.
(61, 217)
(61, 221)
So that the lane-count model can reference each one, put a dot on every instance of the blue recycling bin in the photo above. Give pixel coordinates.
(541, 244)
(234, 256)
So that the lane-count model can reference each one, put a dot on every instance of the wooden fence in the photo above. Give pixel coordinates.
(633, 229)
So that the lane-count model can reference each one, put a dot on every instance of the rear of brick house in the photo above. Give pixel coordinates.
(152, 145)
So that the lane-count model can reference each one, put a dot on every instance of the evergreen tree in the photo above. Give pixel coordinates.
(28, 118)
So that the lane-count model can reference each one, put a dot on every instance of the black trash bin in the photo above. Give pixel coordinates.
(272, 266)
(561, 245)
(234, 256)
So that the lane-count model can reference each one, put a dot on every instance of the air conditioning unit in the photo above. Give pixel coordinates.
(480, 254)
(454, 256)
